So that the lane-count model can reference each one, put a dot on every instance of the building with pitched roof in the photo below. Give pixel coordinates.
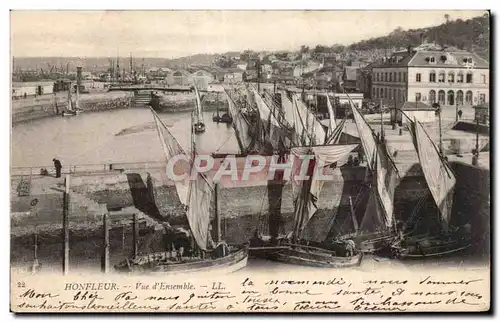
(448, 77)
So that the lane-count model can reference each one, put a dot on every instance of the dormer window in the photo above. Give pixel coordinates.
(443, 58)
(469, 60)
(432, 60)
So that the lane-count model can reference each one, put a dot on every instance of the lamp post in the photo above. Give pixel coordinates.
(438, 113)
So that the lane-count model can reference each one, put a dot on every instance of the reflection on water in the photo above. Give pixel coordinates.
(91, 138)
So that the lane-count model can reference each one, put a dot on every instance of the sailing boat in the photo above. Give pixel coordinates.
(199, 198)
(293, 247)
(224, 118)
(72, 108)
(199, 126)
(299, 250)
(378, 226)
(441, 181)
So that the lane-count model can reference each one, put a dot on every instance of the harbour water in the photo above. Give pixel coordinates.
(126, 135)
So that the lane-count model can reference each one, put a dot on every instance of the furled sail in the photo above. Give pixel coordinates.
(239, 123)
(171, 148)
(308, 190)
(199, 113)
(314, 132)
(289, 115)
(437, 172)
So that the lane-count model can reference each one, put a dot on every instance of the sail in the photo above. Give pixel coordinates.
(290, 115)
(309, 190)
(198, 211)
(199, 113)
(314, 132)
(239, 123)
(332, 126)
(387, 177)
(380, 208)
(437, 172)
(366, 136)
(70, 102)
(172, 148)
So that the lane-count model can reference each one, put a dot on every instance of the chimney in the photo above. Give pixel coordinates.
(78, 76)
(409, 49)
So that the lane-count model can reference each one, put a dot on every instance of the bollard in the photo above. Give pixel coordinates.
(105, 248)
(475, 160)
(400, 131)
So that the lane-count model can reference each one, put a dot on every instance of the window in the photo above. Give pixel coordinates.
(419, 78)
(483, 78)
(468, 97)
(460, 98)
(451, 98)
(399, 77)
(386, 78)
(390, 93)
(433, 59)
(390, 77)
(451, 77)
(460, 77)
(441, 77)
(482, 98)
(432, 77)
(441, 98)
(469, 78)
(404, 77)
(418, 97)
(432, 96)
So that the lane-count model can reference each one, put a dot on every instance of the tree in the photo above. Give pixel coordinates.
(447, 17)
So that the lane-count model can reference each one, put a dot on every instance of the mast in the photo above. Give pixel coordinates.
(381, 123)
(218, 235)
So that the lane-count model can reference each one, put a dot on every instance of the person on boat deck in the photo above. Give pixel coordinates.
(350, 247)
(58, 166)
(350, 160)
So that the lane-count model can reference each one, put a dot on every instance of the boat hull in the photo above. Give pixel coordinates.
(316, 257)
(234, 261)
(375, 243)
(429, 248)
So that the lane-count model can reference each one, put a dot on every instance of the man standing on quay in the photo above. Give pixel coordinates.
(58, 166)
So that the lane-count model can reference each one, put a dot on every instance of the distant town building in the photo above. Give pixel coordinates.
(349, 79)
(242, 66)
(22, 89)
(180, 77)
(233, 75)
(306, 68)
(203, 78)
(364, 80)
(446, 77)
(414, 110)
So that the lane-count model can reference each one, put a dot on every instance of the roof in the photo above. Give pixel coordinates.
(232, 70)
(414, 106)
(453, 59)
(421, 58)
(182, 71)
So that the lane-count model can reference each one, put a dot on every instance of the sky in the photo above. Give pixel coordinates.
(170, 34)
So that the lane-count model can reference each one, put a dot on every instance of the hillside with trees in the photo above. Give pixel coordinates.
(471, 35)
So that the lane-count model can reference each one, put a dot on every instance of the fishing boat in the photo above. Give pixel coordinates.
(199, 125)
(447, 238)
(224, 118)
(199, 198)
(378, 228)
(72, 109)
(294, 247)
